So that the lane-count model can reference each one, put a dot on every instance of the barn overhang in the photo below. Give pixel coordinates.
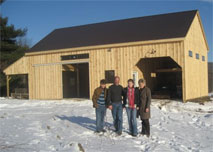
(163, 75)
(18, 67)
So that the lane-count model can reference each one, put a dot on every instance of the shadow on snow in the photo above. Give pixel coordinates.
(82, 121)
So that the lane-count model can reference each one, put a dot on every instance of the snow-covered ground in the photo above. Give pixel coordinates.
(59, 125)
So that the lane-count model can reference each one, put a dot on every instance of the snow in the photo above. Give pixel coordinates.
(66, 125)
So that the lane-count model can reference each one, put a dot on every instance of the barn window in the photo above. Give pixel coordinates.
(197, 56)
(203, 58)
(190, 53)
(109, 76)
(75, 56)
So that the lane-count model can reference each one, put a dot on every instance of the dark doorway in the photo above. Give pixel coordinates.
(18, 86)
(75, 80)
(163, 76)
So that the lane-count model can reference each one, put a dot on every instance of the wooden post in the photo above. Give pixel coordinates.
(8, 85)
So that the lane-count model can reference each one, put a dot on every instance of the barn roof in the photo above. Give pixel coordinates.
(163, 26)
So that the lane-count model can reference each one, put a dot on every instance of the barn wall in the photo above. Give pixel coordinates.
(45, 76)
(45, 81)
(45, 72)
(21, 66)
(196, 74)
(124, 60)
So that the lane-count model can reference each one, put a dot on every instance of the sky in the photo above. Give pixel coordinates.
(41, 17)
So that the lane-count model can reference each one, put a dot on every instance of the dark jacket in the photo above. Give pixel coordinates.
(96, 96)
(126, 97)
(145, 101)
(115, 94)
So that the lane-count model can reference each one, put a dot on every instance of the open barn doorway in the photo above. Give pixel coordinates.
(75, 80)
(163, 76)
(18, 86)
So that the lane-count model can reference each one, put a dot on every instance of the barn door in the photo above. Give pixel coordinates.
(75, 80)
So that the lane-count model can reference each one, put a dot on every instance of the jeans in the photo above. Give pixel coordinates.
(100, 114)
(131, 115)
(117, 114)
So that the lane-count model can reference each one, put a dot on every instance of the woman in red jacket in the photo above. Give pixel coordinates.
(131, 102)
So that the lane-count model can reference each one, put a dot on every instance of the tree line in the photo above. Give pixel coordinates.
(12, 48)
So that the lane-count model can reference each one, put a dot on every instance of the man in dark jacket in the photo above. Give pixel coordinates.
(114, 99)
(99, 103)
(131, 103)
(145, 101)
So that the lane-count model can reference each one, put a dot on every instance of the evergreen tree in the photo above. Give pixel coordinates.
(11, 49)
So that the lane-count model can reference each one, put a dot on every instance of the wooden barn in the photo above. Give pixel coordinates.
(168, 50)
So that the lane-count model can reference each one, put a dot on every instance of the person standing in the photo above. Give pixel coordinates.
(131, 102)
(115, 104)
(145, 101)
(99, 103)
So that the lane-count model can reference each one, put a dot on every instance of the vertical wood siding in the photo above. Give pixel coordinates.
(45, 81)
(196, 70)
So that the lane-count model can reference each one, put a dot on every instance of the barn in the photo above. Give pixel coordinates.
(168, 50)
